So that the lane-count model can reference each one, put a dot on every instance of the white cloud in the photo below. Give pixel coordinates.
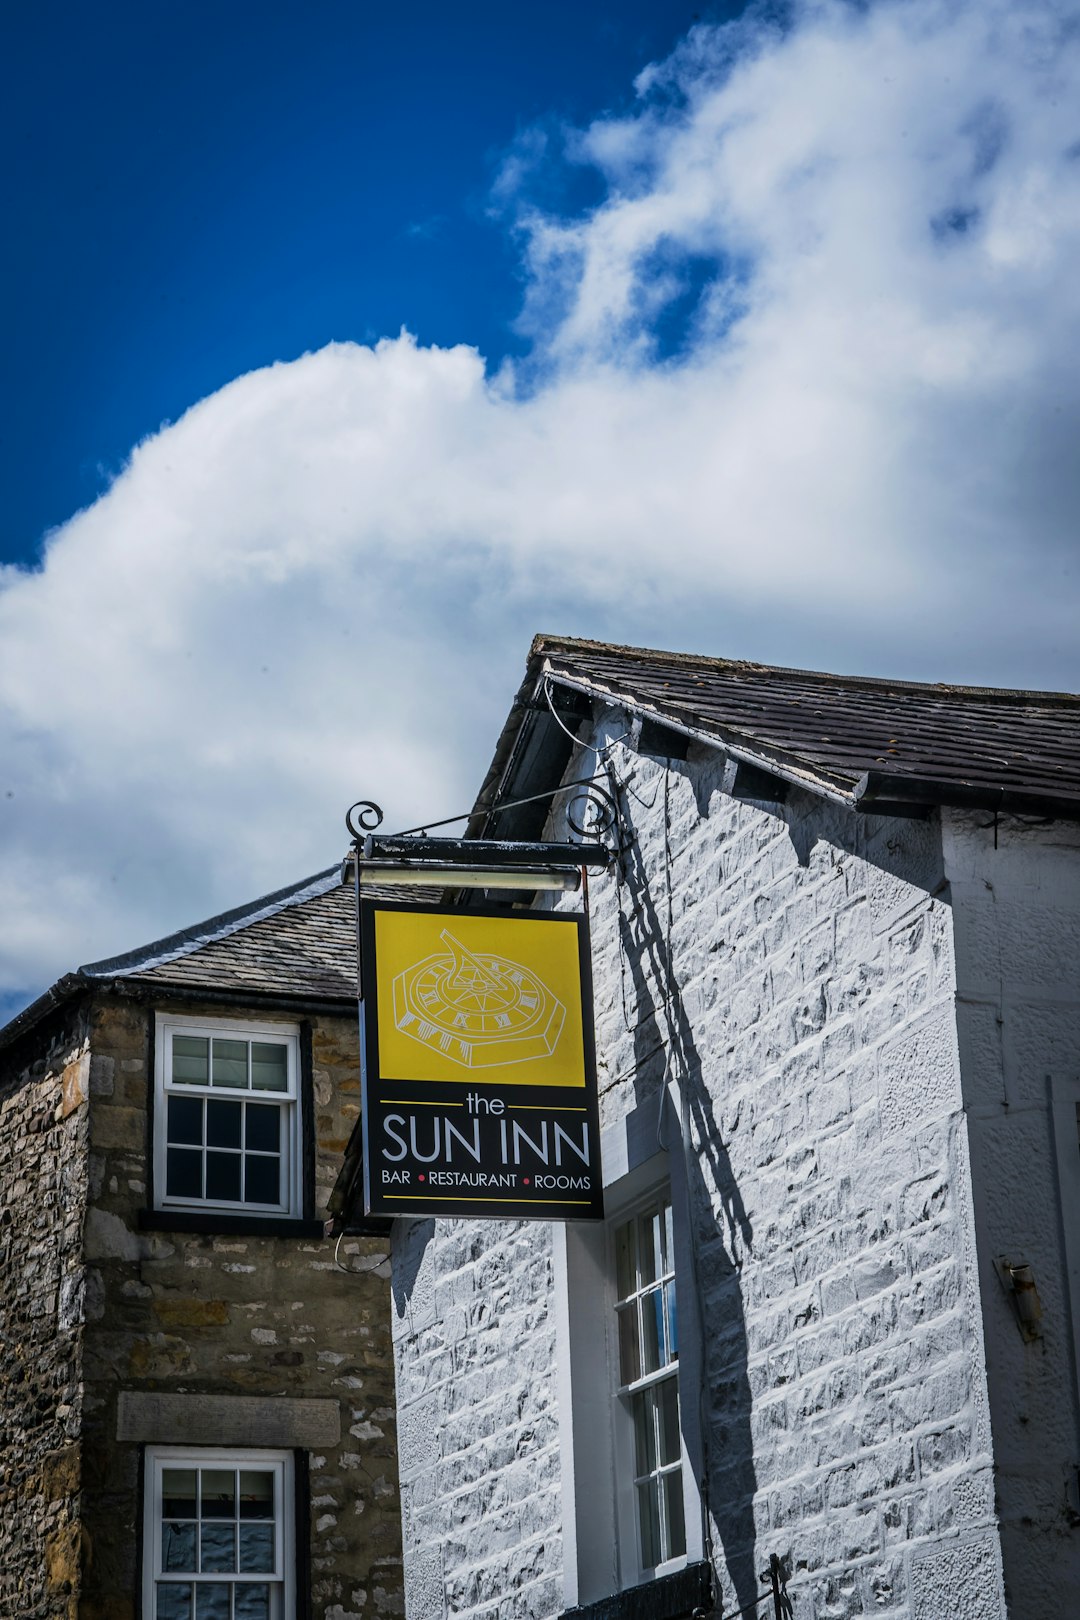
(803, 388)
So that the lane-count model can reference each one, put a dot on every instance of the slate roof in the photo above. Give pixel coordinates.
(298, 944)
(873, 743)
(300, 941)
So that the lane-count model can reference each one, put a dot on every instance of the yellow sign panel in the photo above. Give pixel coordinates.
(491, 999)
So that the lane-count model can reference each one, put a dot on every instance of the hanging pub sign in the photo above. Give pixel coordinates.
(479, 1063)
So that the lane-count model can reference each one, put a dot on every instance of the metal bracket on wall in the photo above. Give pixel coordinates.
(1018, 1281)
(776, 1578)
(592, 813)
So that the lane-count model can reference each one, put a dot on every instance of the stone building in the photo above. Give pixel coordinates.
(832, 1315)
(197, 1386)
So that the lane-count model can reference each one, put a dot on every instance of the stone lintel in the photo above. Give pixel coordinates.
(227, 1420)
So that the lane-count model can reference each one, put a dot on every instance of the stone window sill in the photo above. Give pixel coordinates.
(672, 1597)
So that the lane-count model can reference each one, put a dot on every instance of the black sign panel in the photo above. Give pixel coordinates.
(479, 1063)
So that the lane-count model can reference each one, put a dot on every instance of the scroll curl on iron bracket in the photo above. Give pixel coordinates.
(362, 818)
(598, 814)
(594, 814)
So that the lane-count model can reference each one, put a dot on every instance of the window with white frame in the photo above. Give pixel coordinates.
(227, 1117)
(650, 1447)
(628, 1349)
(218, 1535)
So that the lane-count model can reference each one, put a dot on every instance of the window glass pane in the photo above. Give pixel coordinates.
(650, 1258)
(669, 1240)
(649, 1524)
(671, 1485)
(644, 1432)
(173, 1601)
(189, 1060)
(252, 1602)
(183, 1173)
(178, 1544)
(652, 1330)
(262, 1180)
(262, 1128)
(256, 1548)
(672, 1321)
(178, 1493)
(212, 1601)
(217, 1547)
(268, 1067)
(230, 1063)
(218, 1493)
(625, 1262)
(223, 1177)
(256, 1494)
(222, 1123)
(185, 1120)
(629, 1356)
(667, 1400)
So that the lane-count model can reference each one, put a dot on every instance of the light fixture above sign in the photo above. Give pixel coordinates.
(463, 863)
(444, 875)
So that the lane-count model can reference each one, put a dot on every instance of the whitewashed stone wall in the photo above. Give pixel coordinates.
(1016, 902)
(478, 1444)
(792, 968)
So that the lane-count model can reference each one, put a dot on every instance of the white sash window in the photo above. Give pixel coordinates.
(227, 1117)
(648, 1392)
(218, 1535)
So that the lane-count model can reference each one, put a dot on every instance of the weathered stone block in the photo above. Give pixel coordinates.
(116, 1127)
(191, 1313)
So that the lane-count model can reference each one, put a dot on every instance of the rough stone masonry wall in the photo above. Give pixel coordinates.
(809, 1014)
(1016, 896)
(251, 1316)
(43, 1121)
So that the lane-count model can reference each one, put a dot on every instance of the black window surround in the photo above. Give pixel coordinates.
(174, 1220)
(678, 1596)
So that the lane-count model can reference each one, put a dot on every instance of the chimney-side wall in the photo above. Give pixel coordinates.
(1015, 889)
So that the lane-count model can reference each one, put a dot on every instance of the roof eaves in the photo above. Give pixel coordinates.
(142, 990)
(500, 771)
(55, 996)
(878, 791)
(747, 750)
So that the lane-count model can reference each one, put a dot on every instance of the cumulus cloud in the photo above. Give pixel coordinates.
(802, 387)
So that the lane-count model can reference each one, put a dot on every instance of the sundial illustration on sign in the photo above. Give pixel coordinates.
(476, 1008)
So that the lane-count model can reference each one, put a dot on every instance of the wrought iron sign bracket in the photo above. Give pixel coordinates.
(415, 857)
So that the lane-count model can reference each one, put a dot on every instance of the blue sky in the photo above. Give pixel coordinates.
(347, 348)
(198, 190)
